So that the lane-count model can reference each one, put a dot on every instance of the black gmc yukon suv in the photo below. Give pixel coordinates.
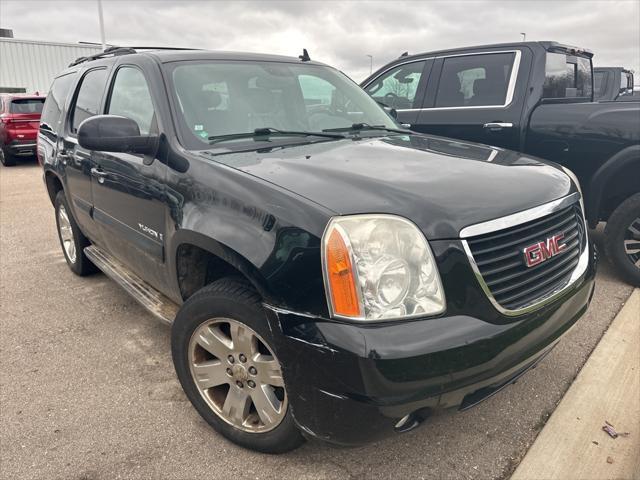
(326, 273)
(536, 98)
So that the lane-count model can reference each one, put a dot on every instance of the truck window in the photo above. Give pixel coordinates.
(315, 90)
(475, 80)
(567, 76)
(130, 97)
(54, 104)
(397, 88)
(89, 96)
(600, 83)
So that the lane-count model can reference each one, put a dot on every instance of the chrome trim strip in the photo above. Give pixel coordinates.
(510, 89)
(518, 218)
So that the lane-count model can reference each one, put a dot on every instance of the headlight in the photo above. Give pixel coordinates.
(379, 267)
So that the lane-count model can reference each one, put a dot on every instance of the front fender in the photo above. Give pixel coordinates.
(627, 160)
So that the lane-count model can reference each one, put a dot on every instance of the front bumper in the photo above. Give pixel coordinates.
(350, 384)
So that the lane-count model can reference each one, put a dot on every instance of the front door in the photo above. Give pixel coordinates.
(128, 189)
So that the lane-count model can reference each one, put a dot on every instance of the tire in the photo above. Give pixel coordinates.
(68, 231)
(622, 236)
(209, 310)
(6, 158)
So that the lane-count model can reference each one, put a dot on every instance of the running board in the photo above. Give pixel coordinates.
(150, 298)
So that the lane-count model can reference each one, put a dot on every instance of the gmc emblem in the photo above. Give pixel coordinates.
(541, 251)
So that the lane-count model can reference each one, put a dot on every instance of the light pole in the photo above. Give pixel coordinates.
(101, 19)
(370, 64)
(524, 36)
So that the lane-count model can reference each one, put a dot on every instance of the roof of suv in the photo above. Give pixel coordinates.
(166, 55)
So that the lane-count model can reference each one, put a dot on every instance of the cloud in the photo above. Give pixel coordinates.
(339, 33)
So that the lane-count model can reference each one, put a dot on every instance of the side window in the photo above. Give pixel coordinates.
(54, 104)
(315, 91)
(130, 97)
(475, 80)
(89, 97)
(397, 88)
(567, 76)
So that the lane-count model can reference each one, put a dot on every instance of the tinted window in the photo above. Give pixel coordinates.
(567, 76)
(52, 109)
(600, 83)
(397, 88)
(130, 97)
(89, 97)
(27, 105)
(475, 80)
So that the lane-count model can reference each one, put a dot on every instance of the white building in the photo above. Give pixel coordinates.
(30, 65)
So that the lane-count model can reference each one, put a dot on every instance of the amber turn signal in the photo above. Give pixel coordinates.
(341, 277)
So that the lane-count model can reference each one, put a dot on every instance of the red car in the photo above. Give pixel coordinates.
(19, 122)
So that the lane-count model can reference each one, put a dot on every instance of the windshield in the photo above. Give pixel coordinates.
(234, 97)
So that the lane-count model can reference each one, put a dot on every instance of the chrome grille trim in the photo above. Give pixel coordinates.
(496, 225)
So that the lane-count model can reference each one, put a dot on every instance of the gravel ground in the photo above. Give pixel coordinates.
(88, 391)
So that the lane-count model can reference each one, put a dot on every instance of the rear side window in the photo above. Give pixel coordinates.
(475, 80)
(52, 109)
(397, 88)
(89, 97)
(26, 105)
(567, 76)
(130, 97)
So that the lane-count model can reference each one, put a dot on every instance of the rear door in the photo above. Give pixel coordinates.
(402, 87)
(475, 97)
(76, 160)
(128, 189)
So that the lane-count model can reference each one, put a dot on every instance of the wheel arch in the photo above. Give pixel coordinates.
(53, 184)
(621, 170)
(205, 260)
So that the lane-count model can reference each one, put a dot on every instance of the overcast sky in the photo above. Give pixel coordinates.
(339, 33)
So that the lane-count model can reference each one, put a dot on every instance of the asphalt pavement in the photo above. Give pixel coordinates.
(88, 390)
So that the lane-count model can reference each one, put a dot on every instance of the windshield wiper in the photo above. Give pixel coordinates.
(356, 127)
(266, 132)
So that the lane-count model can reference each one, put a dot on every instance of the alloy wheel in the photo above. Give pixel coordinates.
(66, 234)
(238, 375)
(632, 242)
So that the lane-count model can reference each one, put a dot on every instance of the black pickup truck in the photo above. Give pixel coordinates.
(613, 84)
(536, 98)
(326, 273)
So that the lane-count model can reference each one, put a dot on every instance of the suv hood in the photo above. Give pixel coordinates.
(440, 184)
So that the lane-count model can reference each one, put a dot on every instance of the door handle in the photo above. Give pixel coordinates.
(99, 174)
(497, 125)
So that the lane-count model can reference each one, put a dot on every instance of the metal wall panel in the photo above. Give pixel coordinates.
(32, 65)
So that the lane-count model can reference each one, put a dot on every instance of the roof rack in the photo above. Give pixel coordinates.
(115, 51)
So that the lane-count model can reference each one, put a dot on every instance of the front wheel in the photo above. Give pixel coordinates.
(622, 239)
(224, 358)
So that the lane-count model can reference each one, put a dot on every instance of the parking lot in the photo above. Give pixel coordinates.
(88, 390)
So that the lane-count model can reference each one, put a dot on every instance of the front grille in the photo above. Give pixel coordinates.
(500, 259)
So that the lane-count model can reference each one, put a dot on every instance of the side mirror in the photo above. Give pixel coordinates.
(112, 133)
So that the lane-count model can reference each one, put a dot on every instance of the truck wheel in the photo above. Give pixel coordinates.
(622, 239)
(6, 158)
(71, 238)
(223, 355)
